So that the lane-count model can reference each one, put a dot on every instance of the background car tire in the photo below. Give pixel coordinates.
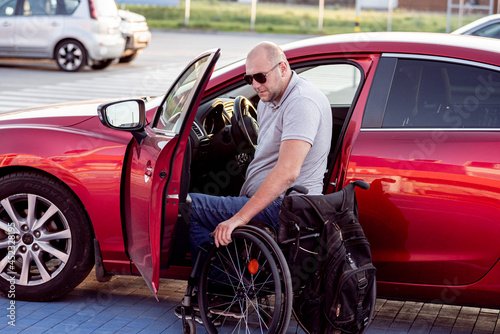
(129, 58)
(52, 235)
(70, 56)
(101, 64)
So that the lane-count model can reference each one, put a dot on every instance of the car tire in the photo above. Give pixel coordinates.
(70, 55)
(45, 238)
(129, 58)
(101, 64)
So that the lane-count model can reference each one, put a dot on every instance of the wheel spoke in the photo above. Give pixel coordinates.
(10, 211)
(66, 234)
(225, 270)
(25, 271)
(4, 262)
(4, 243)
(55, 252)
(266, 281)
(41, 268)
(31, 218)
(7, 228)
(236, 268)
(62, 52)
(256, 305)
(48, 214)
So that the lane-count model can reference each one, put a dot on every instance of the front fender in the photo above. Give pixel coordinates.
(89, 163)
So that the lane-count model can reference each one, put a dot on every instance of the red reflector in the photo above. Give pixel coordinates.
(253, 266)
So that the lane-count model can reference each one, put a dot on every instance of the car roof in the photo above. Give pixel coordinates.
(437, 44)
(476, 24)
(465, 47)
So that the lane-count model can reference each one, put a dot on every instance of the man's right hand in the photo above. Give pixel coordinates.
(222, 233)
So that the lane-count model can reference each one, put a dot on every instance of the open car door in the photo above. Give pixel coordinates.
(154, 167)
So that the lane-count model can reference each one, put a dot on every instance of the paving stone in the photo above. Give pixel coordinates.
(485, 323)
(390, 308)
(411, 307)
(497, 327)
(450, 311)
(381, 323)
(423, 323)
(432, 309)
(125, 305)
(443, 325)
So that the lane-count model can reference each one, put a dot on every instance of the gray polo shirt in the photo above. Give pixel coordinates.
(303, 113)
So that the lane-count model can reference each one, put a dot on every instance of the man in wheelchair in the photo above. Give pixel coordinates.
(295, 129)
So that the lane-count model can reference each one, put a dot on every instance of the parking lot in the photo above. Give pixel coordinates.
(125, 304)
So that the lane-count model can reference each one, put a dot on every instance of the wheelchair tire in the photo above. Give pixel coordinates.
(241, 287)
(285, 276)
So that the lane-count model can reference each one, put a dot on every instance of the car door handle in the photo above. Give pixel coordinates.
(6, 24)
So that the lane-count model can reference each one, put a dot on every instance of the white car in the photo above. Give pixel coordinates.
(136, 32)
(74, 33)
(488, 26)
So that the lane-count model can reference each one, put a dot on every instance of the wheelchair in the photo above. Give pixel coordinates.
(251, 275)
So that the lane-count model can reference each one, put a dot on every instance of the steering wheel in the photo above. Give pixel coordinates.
(245, 121)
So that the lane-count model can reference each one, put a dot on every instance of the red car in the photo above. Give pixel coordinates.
(417, 116)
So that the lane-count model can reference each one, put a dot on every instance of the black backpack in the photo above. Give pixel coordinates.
(330, 261)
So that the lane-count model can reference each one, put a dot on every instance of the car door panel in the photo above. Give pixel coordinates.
(431, 157)
(7, 27)
(414, 181)
(154, 169)
(37, 28)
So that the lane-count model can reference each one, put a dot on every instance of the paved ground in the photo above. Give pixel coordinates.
(125, 305)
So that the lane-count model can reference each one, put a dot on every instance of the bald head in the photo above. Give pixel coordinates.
(268, 51)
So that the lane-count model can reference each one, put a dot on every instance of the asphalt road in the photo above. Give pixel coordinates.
(29, 83)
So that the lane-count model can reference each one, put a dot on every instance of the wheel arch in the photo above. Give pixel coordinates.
(66, 263)
(17, 169)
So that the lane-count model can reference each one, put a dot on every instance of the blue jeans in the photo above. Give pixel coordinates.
(208, 211)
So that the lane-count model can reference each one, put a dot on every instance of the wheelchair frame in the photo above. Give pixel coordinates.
(248, 289)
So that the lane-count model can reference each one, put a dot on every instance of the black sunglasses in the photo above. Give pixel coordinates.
(259, 77)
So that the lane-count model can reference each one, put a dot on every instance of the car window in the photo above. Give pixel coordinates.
(433, 94)
(39, 7)
(67, 6)
(174, 108)
(7, 7)
(338, 82)
(106, 8)
(49, 7)
(492, 30)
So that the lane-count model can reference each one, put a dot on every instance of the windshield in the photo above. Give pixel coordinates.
(174, 108)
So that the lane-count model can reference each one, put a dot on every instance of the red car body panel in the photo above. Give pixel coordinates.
(425, 192)
(82, 153)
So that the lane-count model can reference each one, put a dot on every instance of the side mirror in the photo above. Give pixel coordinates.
(127, 115)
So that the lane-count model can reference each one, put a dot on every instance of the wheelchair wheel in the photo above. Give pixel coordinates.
(243, 288)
